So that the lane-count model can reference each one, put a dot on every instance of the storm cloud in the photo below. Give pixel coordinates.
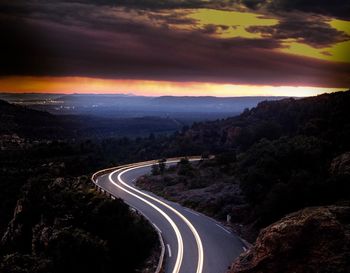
(310, 30)
(334, 8)
(81, 38)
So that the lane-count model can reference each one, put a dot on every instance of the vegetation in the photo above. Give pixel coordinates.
(285, 175)
(203, 186)
(159, 168)
(271, 160)
(280, 154)
(62, 225)
(38, 125)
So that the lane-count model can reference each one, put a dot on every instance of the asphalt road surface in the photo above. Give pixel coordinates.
(194, 243)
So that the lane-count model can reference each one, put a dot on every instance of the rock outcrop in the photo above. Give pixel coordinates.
(341, 164)
(315, 239)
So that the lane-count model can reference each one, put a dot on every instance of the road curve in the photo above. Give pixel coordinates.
(194, 243)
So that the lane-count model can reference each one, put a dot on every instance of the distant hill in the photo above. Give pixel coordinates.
(208, 103)
(123, 105)
(29, 123)
(321, 115)
(27, 97)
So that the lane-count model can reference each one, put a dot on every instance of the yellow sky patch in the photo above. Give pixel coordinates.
(340, 25)
(340, 52)
(236, 22)
(337, 53)
(231, 24)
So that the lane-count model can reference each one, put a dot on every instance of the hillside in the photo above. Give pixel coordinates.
(265, 158)
(50, 211)
(63, 225)
(272, 160)
(29, 123)
(275, 159)
(34, 124)
(324, 116)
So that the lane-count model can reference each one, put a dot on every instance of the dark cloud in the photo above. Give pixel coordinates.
(79, 39)
(149, 53)
(335, 8)
(313, 31)
(247, 44)
(169, 18)
(150, 4)
(213, 29)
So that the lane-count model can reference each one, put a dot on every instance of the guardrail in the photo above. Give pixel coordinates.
(162, 252)
(104, 171)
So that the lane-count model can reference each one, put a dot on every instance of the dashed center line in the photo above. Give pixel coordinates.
(169, 250)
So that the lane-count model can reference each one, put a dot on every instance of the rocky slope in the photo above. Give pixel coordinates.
(341, 164)
(315, 239)
(63, 225)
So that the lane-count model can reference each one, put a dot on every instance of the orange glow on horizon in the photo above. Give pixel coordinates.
(69, 85)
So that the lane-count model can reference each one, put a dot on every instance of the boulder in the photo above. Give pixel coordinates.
(315, 239)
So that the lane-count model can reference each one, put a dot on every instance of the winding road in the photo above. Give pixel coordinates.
(194, 243)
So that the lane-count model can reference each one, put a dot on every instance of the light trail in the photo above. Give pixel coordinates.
(166, 216)
(188, 223)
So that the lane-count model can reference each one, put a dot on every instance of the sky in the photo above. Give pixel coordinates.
(175, 47)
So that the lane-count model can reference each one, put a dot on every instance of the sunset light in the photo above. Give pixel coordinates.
(68, 85)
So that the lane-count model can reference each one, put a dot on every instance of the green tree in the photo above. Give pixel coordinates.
(184, 167)
(155, 169)
(162, 165)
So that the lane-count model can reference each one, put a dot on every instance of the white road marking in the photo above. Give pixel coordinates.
(176, 229)
(169, 250)
(223, 228)
(190, 211)
(194, 231)
(157, 228)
